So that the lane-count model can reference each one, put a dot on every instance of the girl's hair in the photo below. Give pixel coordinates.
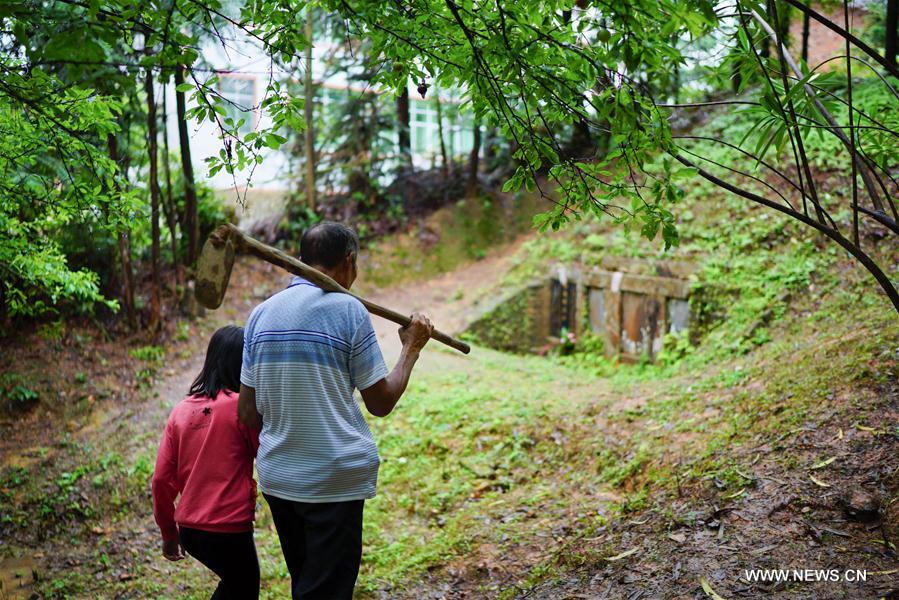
(221, 371)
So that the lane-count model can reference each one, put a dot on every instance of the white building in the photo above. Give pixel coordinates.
(244, 72)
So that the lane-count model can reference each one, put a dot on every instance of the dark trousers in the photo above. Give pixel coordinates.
(322, 546)
(231, 556)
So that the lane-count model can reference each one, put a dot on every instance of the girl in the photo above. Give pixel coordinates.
(206, 455)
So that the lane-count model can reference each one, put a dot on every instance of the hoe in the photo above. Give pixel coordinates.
(217, 259)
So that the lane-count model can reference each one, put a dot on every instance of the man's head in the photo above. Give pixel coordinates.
(332, 249)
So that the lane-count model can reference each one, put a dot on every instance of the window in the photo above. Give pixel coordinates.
(331, 96)
(458, 136)
(240, 98)
(425, 141)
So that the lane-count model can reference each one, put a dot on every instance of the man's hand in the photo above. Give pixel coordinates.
(416, 334)
(171, 549)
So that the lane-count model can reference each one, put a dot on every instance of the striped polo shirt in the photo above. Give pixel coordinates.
(305, 351)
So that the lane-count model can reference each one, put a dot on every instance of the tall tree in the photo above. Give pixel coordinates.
(445, 162)
(191, 220)
(123, 241)
(168, 205)
(309, 138)
(155, 303)
(892, 31)
(806, 26)
(490, 143)
(404, 137)
(474, 163)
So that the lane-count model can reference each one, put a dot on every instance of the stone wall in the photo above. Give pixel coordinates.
(515, 322)
(631, 304)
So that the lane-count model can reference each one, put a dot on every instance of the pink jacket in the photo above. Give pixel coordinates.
(206, 455)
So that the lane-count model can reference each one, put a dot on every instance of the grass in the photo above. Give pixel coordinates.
(461, 232)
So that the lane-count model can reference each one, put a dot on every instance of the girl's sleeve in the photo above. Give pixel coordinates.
(165, 484)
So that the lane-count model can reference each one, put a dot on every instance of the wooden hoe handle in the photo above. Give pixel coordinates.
(243, 242)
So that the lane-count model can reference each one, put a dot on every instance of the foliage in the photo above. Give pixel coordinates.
(15, 393)
(72, 81)
(531, 72)
(44, 188)
(149, 354)
(537, 76)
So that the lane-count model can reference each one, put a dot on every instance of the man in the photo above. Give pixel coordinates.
(305, 351)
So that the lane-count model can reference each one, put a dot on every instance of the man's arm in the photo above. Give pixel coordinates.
(246, 408)
(381, 397)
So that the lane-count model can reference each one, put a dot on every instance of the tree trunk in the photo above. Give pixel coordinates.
(445, 166)
(308, 112)
(168, 205)
(806, 23)
(4, 313)
(581, 142)
(675, 84)
(783, 19)
(736, 79)
(474, 162)
(580, 133)
(404, 137)
(155, 314)
(359, 180)
(892, 24)
(490, 149)
(124, 246)
(191, 222)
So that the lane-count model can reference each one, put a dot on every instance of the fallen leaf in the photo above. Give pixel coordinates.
(624, 554)
(864, 427)
(818, 482)
(677, 537)
(707, 588)
(763, 549)
(823, 463)
(835, 532)
(744, 475)
(735, 494)
(840, 434)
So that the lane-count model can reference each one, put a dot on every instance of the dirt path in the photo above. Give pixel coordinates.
(451, 301)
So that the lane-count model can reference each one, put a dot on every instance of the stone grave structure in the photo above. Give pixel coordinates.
(630, 303)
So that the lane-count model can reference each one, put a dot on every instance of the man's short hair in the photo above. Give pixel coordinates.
(328, 243)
